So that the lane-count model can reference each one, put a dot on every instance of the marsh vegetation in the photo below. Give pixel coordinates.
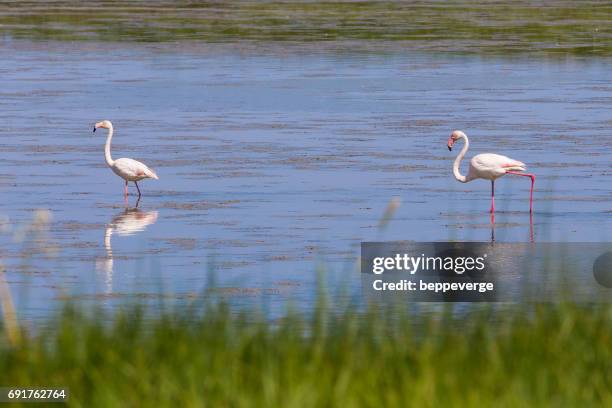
(558, 27)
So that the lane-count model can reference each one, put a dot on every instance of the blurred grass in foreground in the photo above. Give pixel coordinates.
(484, 27)
(549, 355)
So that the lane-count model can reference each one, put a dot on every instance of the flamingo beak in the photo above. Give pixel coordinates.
(450, 144)
(94, 129)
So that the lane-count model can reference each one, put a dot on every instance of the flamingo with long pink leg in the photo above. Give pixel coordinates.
(488, 166)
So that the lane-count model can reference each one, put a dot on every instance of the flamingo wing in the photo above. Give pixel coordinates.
(491, 166)
(133, 169)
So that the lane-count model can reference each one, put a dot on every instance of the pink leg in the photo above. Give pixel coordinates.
(531, 227)
(126, 189)
(492, 211)
(532, 176)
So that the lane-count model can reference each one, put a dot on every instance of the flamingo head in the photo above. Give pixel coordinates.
(106, 124)
(454, 136)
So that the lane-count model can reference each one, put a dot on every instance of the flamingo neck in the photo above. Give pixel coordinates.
(107, 147)
(460, 177)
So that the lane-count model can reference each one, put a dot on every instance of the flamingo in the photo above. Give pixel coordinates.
(127, 169)
(488, 166)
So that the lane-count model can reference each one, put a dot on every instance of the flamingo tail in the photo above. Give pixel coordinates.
(515, 165)
(150, 173)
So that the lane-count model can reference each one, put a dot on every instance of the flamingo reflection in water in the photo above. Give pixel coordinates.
(129, 222)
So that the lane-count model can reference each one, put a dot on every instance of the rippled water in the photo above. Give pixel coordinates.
(274, 163)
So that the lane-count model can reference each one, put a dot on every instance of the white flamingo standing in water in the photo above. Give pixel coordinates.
(127, 169)
(488, 166)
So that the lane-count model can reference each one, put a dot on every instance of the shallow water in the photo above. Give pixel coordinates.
(275, 163)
